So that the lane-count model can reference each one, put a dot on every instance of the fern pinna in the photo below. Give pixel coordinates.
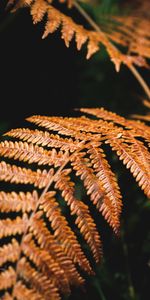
(120, 30)
(41, 256)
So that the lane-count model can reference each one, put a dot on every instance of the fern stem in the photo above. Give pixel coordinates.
(131, 67)
(131, 289)
(140, 80)
(97, 285)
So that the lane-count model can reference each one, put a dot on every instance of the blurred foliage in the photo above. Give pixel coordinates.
(124, 273)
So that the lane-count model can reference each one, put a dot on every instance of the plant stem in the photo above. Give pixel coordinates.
(98, 29)
(140, 80)
(99, 289)
(131, 289)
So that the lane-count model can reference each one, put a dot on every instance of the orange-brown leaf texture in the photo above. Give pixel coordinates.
(41, 256)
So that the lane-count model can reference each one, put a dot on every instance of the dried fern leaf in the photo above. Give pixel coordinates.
(40, 283)
(79, 128)
(69, 29)
(9, 252)
(138, 128)
(7, 278)
(63, 233)
(13, 227)
(96, 190)
(84, 221)
(142, 117)
(132, 162)
(110, 209)
(21, 292)
(31, 153)
(43, 138)
(47, 241)
(45, 263)
(132, 32)
(38, 10)
(16, 174)
(51, 124)
(25, 202)
(47, 251)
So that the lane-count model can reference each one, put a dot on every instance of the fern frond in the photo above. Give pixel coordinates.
(7, 278)
(110, 209)
(9, 252)
(63, 233)
(43, 138)
(44, 285)
(97, 190)
(80, 128)
(84, 221)
(13, 227)
(16, 174)
(25, 202)
(31, 153)
(45, 263)
(132, 162)
(142, 117)
(21, 292)
(69, 29)
(136, 41)
(138, 128)
(43, 247)
(47, 241)
(131, 31)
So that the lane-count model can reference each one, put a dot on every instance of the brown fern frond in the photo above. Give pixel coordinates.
(7, 278)
(25, 202)
(69, 30)
(146, 103)
(135, 40)
(44, 285)
(52, 124)
(13, 227)
(138, 128)
(142, 117)
(44, 249)
(9, 252)
(45, 263)
(47, 241)
(16, 174)
(63, 233)
(84, 221)
(132, 31)
(79, 128)
(43, 138)
(132, 162)
(22, 292)
(97, 190)
(31, 153)
(109, 184)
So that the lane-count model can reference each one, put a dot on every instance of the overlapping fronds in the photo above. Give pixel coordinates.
(40, 253)
(132, 30)
(93, 38)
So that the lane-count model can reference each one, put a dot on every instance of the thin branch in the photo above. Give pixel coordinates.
(131, 289)
(140, 80)
(131, 67)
